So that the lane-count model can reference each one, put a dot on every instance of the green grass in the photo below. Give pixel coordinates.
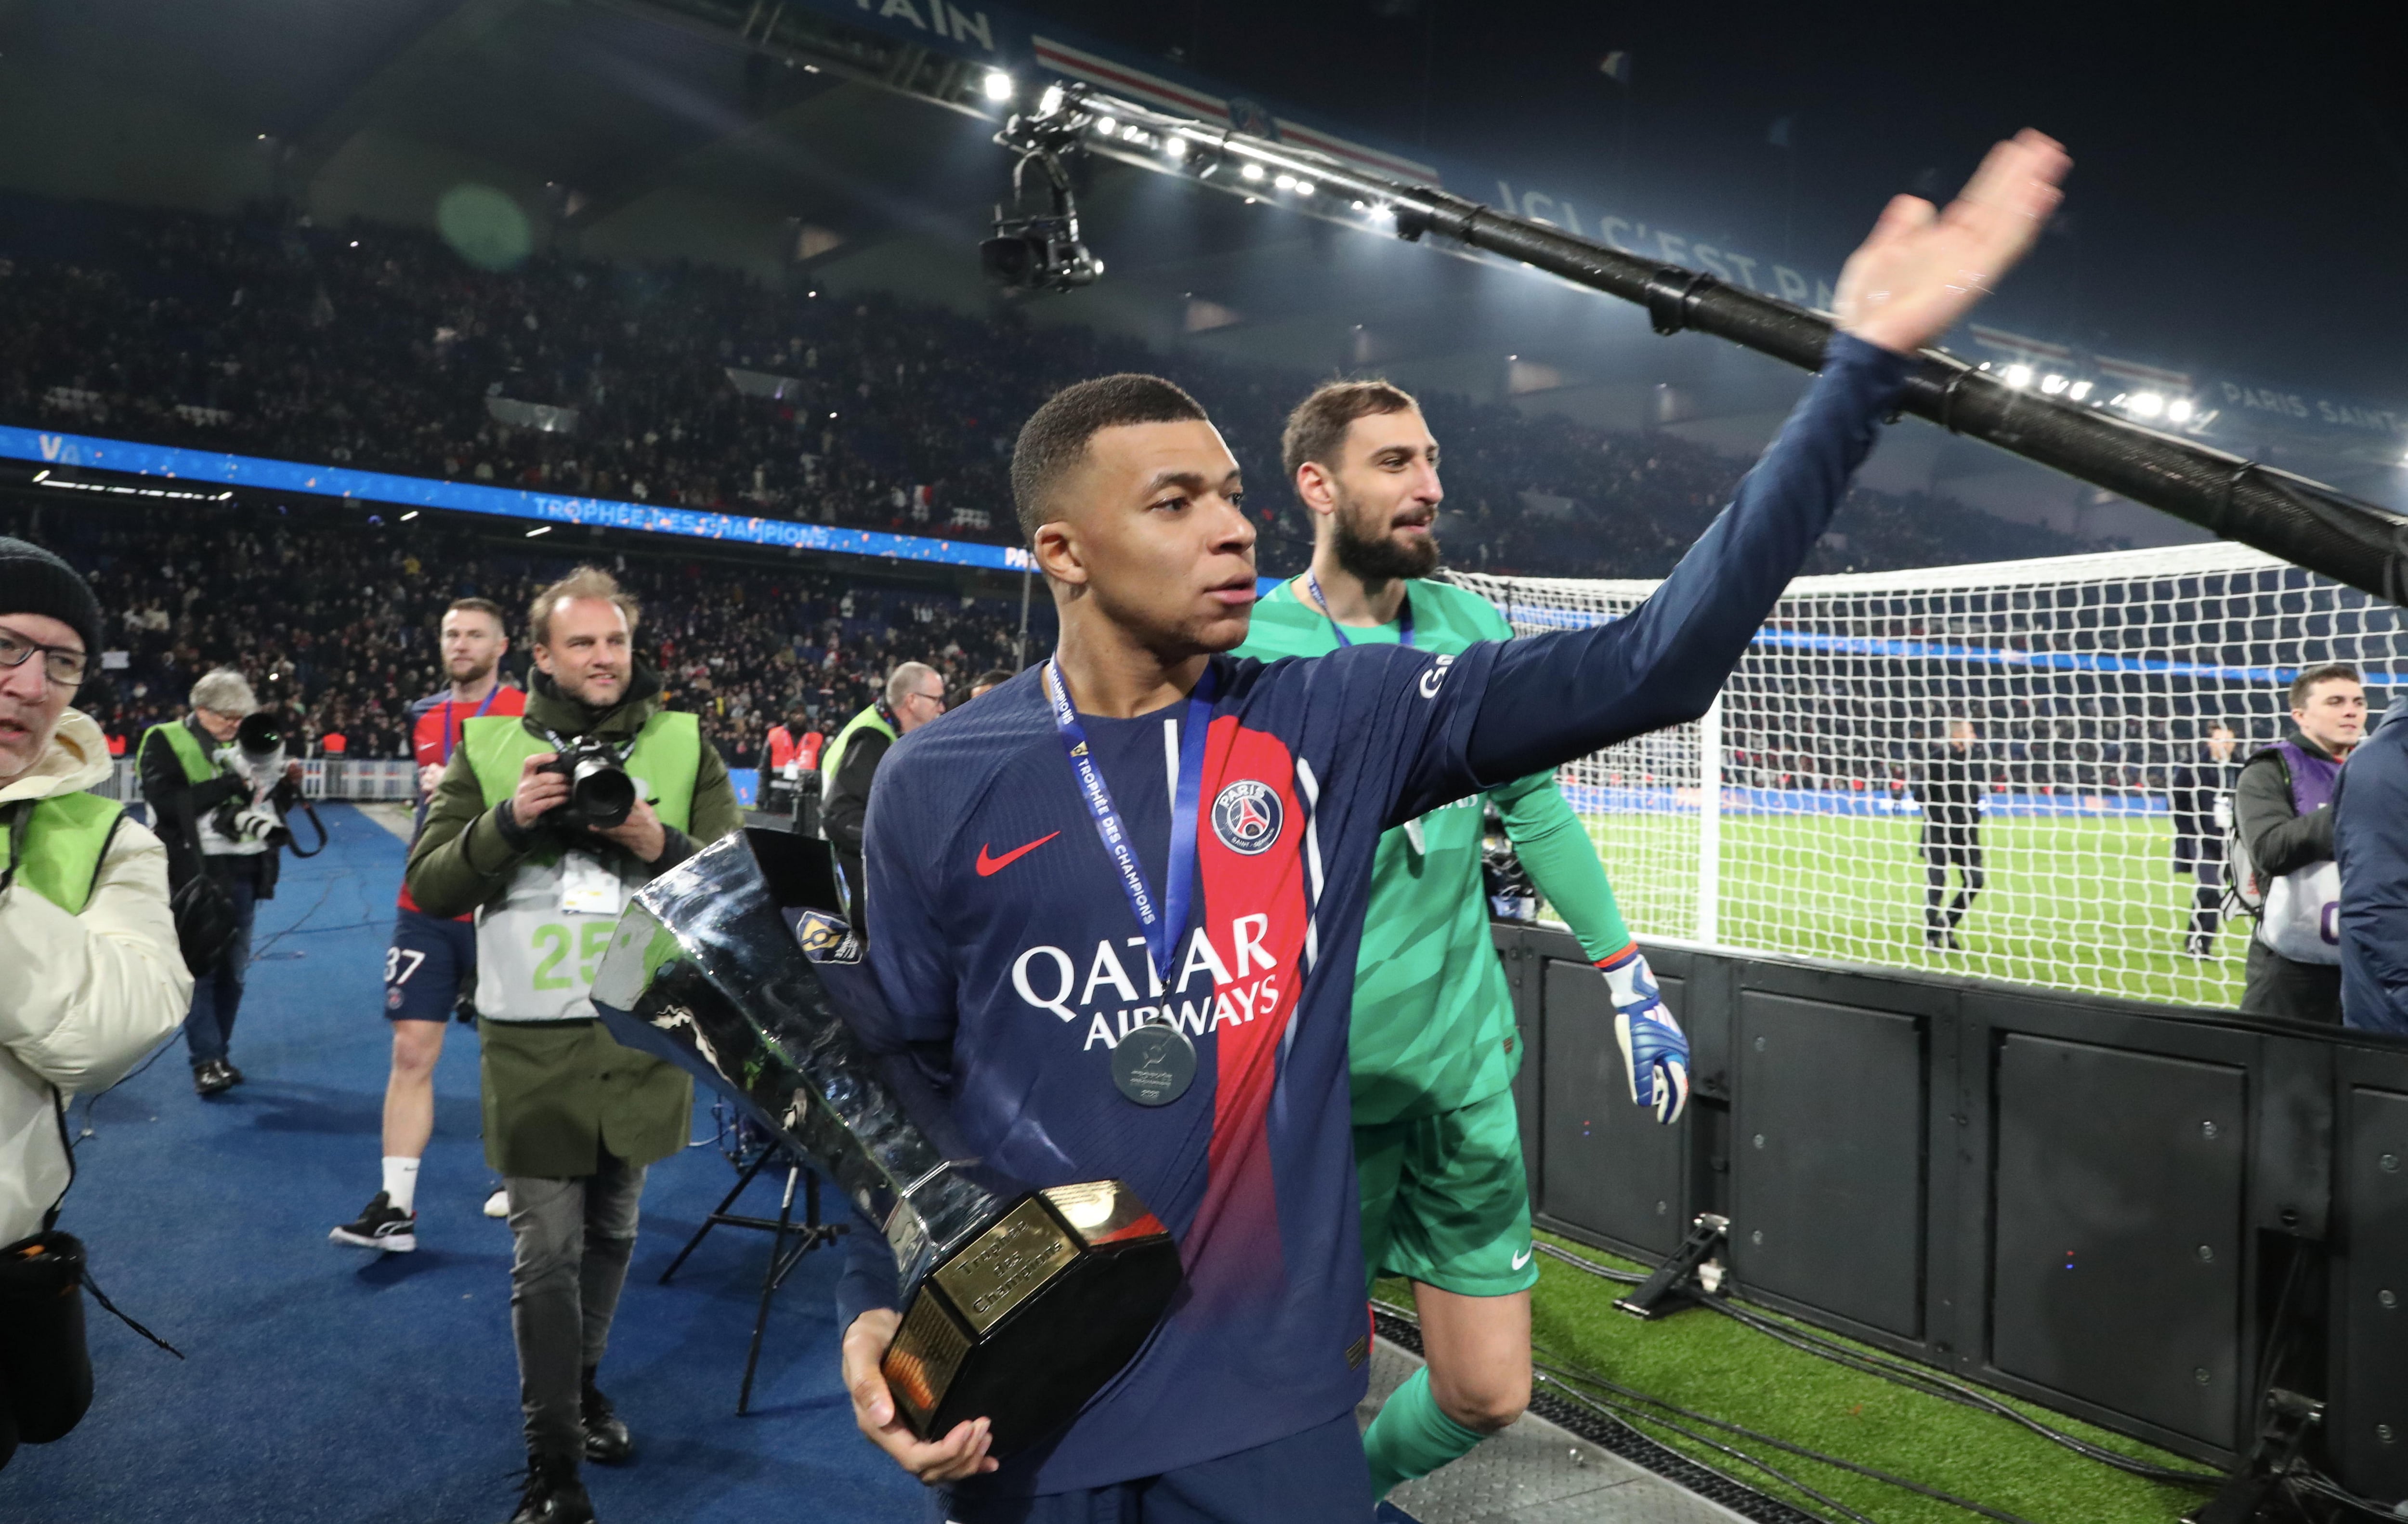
(1708, 1364)
(2084, 904)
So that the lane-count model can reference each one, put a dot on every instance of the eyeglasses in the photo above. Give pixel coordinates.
(64, 666)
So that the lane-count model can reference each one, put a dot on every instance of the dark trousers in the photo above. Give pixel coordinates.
(1946, 846)
(2280, 986)
(217, 994)
(2207, 900)
(571, 1241)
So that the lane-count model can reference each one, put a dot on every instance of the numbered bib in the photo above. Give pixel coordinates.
(540, 946)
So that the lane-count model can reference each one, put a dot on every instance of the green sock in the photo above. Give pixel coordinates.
(1412, 1436)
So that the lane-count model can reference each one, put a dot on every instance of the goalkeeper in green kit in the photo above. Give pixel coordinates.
(1432, 1049)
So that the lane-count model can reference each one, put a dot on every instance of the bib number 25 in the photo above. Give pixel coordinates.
(551, 941)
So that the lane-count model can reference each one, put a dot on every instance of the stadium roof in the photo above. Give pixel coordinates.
(846, 143)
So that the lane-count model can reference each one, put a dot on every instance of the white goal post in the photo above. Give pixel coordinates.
(1791, 820)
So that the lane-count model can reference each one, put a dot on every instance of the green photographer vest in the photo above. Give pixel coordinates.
(64, 838)
(198, 769)
(539, 945)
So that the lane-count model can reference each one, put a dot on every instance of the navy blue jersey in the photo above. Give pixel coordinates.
(1012, 963)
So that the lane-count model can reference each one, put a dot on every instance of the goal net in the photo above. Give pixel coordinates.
(2085, 690)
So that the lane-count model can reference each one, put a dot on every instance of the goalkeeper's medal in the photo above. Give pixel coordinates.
(1155, 1064)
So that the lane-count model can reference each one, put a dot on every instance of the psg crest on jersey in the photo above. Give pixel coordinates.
(1246, 817)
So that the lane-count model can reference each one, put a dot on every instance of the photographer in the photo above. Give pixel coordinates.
(220, 820)
(522, 832)
(94, 975)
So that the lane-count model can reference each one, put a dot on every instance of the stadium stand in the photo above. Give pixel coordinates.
(378, 347)
(343, 621)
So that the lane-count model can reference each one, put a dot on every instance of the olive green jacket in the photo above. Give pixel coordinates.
(557, 1094)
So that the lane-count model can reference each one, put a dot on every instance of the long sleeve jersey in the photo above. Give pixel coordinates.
(1012, 961)
(1433, 1016)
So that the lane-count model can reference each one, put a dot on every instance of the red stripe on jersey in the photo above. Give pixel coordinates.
(1254, 911)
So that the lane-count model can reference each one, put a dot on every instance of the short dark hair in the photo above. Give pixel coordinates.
(1055, 439)
(993, 677)
(1317, 428)
(2331, 672)
(480, 605)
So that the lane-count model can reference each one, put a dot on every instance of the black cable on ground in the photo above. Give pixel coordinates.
(1948, 1388)
(1914, 1377)
(1630, 1412)
(1575, 1375)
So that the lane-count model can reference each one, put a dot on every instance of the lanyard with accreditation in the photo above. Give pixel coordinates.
(1155, 1064)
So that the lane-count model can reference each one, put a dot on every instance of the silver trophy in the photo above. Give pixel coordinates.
(1019, 1305)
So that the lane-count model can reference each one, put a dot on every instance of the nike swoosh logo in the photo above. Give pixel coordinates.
(1524, 1258)
(988, 867)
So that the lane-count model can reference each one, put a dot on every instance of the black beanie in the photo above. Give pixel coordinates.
(35, 581)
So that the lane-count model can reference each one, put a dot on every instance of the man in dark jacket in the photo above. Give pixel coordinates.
(2281, 806)
(1950, 781)
(572, 1119)
(2370, 813)
(2200, 792)
(915, 694)
(216, 819)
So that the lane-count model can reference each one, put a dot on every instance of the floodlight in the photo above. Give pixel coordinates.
(2179, 410)
(2147, 404)
(1175, 146)
(1106, 125)
(1285, 182)
(1251, 171)
(1304, 187)
(2052, 385)
(2020, 375)
(2078, 391)
(998, 85)
(1049, 102)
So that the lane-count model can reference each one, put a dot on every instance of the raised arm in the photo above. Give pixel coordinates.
(1555, 698)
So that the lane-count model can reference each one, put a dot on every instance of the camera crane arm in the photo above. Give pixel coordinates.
(2303, 521)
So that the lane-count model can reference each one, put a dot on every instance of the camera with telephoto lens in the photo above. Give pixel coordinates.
(600, 793)
(259, 757)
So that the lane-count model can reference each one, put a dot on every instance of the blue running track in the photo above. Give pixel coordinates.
(330, 1384)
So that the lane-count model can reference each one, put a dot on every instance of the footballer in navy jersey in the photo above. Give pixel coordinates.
(1010, 947)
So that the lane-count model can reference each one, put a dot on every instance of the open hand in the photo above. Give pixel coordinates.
(959, 1453)
(1919, 270)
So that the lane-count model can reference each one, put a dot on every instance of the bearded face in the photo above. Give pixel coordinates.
(1379, 540)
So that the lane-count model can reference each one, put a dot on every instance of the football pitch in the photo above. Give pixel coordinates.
(2085, 903)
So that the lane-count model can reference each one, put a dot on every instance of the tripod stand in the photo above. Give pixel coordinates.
(806, 1235)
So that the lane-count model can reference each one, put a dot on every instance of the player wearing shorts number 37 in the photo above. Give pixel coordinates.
(431, 963)
(1432, 1051)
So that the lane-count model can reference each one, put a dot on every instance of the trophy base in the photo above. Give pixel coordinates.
(1025, 1324)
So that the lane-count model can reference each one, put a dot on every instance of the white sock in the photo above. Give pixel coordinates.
(400, 1181)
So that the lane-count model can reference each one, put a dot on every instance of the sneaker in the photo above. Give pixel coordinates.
(553, 1494)
(210, 1076)
(606, 1440)
(381, 1225)
(499, 1203)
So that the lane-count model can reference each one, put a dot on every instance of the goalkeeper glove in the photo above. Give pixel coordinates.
(1654, 1048)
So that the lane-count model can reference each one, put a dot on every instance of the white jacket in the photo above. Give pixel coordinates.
(82, 997)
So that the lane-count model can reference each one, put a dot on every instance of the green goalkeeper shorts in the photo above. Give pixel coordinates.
(1445, 1201)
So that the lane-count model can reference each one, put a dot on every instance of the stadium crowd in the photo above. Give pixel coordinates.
(380, 347)
(334, 619)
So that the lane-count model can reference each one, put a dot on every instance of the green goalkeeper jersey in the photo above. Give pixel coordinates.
(1433, 1025)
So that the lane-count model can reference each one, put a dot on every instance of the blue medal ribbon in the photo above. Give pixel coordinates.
(1404, 613)
(1163, 926)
